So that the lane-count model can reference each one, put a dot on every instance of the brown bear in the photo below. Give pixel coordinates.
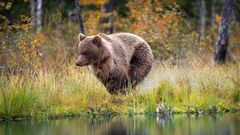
(119, 60)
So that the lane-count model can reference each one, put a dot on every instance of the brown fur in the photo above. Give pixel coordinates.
(117, 60)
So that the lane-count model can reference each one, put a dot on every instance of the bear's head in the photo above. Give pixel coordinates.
(91, 50)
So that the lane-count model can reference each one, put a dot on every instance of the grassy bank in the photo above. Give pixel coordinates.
(74, 91)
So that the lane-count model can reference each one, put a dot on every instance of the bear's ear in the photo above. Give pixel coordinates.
(97, 40)
(81, 36)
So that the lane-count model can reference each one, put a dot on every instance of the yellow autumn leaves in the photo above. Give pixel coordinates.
(154, 24)
(97, 2)
(29, 50)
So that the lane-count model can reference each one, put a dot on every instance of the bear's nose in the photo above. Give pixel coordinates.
(78, 63)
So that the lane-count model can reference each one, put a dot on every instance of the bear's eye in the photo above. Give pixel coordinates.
(83, 53)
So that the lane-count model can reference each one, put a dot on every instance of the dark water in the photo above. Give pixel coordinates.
(226, 124)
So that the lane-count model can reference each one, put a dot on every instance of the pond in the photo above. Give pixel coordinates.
(178, 124)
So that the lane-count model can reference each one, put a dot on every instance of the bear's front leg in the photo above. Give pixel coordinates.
(117, 85)
(133, 75)
(111, 85)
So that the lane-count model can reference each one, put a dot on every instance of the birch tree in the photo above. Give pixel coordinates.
(36, 13)
(202, 16)
(39, 15)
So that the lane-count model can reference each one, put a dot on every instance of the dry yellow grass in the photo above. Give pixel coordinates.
(184, 88)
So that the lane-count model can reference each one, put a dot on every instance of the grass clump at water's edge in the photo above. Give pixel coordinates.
(73, 91)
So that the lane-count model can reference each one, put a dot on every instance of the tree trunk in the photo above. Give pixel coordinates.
(107, 9)
(213, 12)
(105, 19)
(224, 32)
(62, 5)
(202, 16)
(80, 21)
(62, 8)
(33, 11)
(39, 15)
(111, 27)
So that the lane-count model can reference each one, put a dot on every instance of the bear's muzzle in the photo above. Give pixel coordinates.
(82, 61)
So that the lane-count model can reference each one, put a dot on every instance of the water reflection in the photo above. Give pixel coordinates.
(227, 124)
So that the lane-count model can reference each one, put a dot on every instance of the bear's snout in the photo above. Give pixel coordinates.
(78, 63)
(82, 61)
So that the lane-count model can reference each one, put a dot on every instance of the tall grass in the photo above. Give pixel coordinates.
(50, 93)
(194, 88)
(187, 88)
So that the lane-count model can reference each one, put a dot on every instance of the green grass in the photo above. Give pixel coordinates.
(75, 91)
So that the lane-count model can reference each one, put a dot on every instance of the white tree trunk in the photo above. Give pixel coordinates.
(202, 16)
(39, 15)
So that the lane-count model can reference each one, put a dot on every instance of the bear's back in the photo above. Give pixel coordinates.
(123, 44)
(128, 39)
